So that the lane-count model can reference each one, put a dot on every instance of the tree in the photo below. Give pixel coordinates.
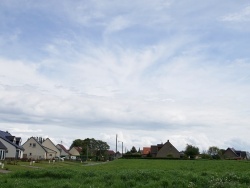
(77, 143)
(191, 151)
(133, 150)
(91, 147)
(214, 152)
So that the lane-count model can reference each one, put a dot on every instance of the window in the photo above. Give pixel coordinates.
(34, 145)
(30, 154)
(50, 154)
(30, 144)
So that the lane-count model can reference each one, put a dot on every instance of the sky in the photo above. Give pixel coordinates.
(148, 71)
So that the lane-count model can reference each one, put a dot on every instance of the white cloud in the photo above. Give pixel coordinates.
(147, 71)
(242, 16)
(117, 24)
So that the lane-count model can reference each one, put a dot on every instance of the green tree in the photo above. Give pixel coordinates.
(91, 147)
(214, 152)
(191, 151)
(77, 143)
(133, 150)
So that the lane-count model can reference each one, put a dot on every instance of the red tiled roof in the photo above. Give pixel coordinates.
(111, 152)
(79, 149)
(146, 150)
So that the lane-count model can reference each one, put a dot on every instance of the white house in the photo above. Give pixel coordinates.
(49, 144)
(13, 145)
(3, 150)
(75, 151)
(35, 150)
(63, 151)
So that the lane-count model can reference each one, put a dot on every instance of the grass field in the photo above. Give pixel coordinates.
(130, 173)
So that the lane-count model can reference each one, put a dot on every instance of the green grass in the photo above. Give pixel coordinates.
(130, 173)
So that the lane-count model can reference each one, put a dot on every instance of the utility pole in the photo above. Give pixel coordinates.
(87, 152)
(116, 146)
(122, 149)
(122, 146)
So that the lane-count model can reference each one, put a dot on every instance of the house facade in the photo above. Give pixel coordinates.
(36, 151)
(13, 144)
(75, 151)
(111, 155)
(146, 151)
(166, 150)
(231, 153)
(3, 150)
(63, 151)
(49, 144)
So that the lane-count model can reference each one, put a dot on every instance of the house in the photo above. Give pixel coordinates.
(111, 155)
(155, 148)
(63, 151)
(146, 151)
(75, 152)
(35, 150)
(49, 144)
(231, 153)
(118, 154)
(13, 145)
(3, 150)
(166, 150)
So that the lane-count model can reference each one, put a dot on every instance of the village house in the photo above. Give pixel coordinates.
(75, 152)
(35, 149)
(231, 153)
(166, 150)
(49, 144)
(10, 146)
(146, 151)
(111, 155)
(3, 150)
(63, 151)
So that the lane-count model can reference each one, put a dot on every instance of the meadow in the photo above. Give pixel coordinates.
(128, 173)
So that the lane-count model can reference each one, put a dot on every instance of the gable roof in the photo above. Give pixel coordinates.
(36, 142)
(168, 149)
(111, 152)
(79, 149)
(39, 143)
(2, 146)
(47, 139)
(146, 150)
(239, 153)
(49, 150)
(63, 148)
(6, 135)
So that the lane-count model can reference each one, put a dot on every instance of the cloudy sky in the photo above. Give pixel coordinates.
(149, 71)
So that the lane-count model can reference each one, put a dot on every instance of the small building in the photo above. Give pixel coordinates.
(118, 155)
(166, 150)
(75, 152)
(146, 151)
(111, 155)
(231, 153)
(63, 151)
(49, 144)
(13, 145)
(3, 150)
(155, 149)
(36, 151)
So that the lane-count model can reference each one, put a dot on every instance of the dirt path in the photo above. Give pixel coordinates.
(31, 166)
(92, 164)
(4, 171)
